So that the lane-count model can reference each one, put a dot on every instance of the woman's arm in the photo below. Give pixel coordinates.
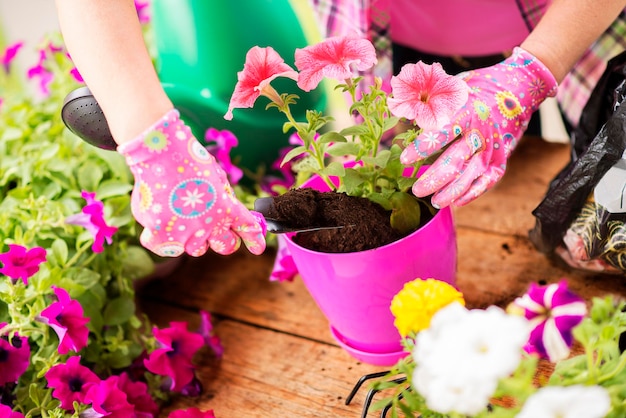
(567, 29)
(105, 42)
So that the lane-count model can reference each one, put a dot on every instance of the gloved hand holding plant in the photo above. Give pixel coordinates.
(484, 133)
(426, 95)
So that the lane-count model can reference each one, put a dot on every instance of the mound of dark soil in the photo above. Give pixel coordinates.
(366, 224)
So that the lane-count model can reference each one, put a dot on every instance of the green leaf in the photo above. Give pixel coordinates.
(89, 176)
(37, 394)
(82, 276)
(137, 262)
(381, 159)
(119, 359)
(329, 137)
(92, 304)
(356, 130)
(60, 251)
(335, 168)
(390, 123)
(341, 149)
(352, 180)
(118, 311)
(405, 212)
(11, 134)
(405, 183)
(293, 154)
(111, 188)
(380, 199)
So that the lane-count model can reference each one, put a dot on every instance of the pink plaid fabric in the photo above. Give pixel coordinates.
(577, 86)
(371, 18)
(364, 18)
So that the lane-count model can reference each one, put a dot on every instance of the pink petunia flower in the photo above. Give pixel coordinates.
(223, 142)
(14, 357)
(137, 395)
(206, 331)
(92, 219)
(261, 67)
(22, 263)
(108, 400)
(333, 58)
(142, 11)
(258, 216)
(553, 312)
(9, 55)
(427, 94)
(39, 71)
(173, 358)
(70, 382)
(67, 319)
(191, 413)
(284, 269)
(7, 412)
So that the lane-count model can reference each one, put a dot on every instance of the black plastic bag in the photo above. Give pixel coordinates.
(569, 221)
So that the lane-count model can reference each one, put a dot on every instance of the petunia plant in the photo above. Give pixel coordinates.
(486, 362)
(72, 341)
(422, 96)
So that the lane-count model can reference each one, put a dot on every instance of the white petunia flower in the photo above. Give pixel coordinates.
(567, 402)
(464, 353)
(446, 395)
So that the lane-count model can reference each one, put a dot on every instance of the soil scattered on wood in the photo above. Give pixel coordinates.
(366, 224)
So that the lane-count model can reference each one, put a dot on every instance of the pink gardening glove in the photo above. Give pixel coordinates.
(502, 98)
(182, 197)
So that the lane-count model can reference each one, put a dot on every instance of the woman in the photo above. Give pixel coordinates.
(184, 213)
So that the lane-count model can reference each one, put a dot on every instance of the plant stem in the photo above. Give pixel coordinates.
(316, 153)
(76, 256)
(617, 370)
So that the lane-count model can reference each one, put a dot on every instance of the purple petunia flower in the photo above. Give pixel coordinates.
(108, 400)
(21, 263)
(206, 331)
(14, 357)
(9, 55)
(71, 382)
(138, 396)
(553, 312)
(284, 269)
(173, 359)
(191, 413)
(92, 219)
(40, 72)
(142, 11)
(7, 412)
(67, 319)
(224, 141)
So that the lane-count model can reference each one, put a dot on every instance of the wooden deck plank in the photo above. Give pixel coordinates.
(507, 207)
(280, 359)
(492, 269)
(237, 287)
(265, 373)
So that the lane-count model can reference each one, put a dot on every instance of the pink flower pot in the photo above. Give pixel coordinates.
(354, 290)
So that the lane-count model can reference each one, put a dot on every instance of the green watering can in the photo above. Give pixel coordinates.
(202, 44)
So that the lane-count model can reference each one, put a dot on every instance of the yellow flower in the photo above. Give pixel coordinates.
(417, 302)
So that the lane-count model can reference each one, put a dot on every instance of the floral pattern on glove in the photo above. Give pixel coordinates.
(182, 197)
(484, 133)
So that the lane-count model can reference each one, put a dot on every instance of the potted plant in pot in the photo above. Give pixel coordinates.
(354, 284)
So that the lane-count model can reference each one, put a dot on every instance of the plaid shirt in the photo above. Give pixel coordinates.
(371, 18)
